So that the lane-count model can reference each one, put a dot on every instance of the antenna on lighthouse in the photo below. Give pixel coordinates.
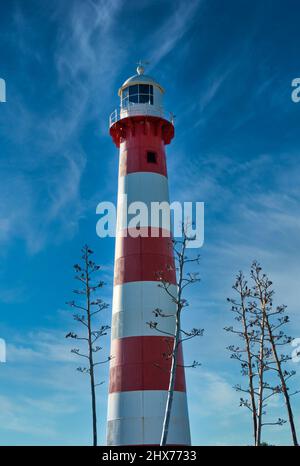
(141, 66)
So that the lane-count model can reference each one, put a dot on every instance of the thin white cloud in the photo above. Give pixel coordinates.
(165, 38)
(42, 197)
(15, 417)
(46, 393)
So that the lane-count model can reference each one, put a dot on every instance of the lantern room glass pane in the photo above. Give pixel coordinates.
(137, 93)
(134, 98)
(144, 99)
(125, 102)
(144, 88)
(133, 89)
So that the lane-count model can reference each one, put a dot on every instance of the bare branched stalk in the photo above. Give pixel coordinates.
(254, 311)
(265, 293)
(179, 335)
(89, 307)
(261, 371)
(166, 423)
(283, 386)
(241, 309)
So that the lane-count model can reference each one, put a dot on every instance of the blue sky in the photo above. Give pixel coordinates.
(227, 69)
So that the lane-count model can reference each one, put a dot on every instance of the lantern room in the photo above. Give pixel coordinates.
(140, 95)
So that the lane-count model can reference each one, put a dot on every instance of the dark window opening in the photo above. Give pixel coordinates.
(151, 157)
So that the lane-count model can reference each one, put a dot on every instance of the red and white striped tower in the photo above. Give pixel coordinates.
(139, 372)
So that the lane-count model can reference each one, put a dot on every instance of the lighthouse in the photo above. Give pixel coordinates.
(139, 368)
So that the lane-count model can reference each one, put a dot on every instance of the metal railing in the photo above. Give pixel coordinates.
(139, 109)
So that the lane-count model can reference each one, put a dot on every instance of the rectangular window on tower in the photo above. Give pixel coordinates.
(151, 157)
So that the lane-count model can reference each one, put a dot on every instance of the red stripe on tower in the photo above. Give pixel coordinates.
(139, 369)
(139, 364)
(144, 258)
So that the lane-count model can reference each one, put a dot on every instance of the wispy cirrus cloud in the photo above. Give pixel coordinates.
(42, 393)
(166, 37)
(48, 161)
(15, 417)
(13, 294)
(41, 183)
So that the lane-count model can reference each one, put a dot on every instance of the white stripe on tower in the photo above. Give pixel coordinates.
(133, 306)
(136, 417)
